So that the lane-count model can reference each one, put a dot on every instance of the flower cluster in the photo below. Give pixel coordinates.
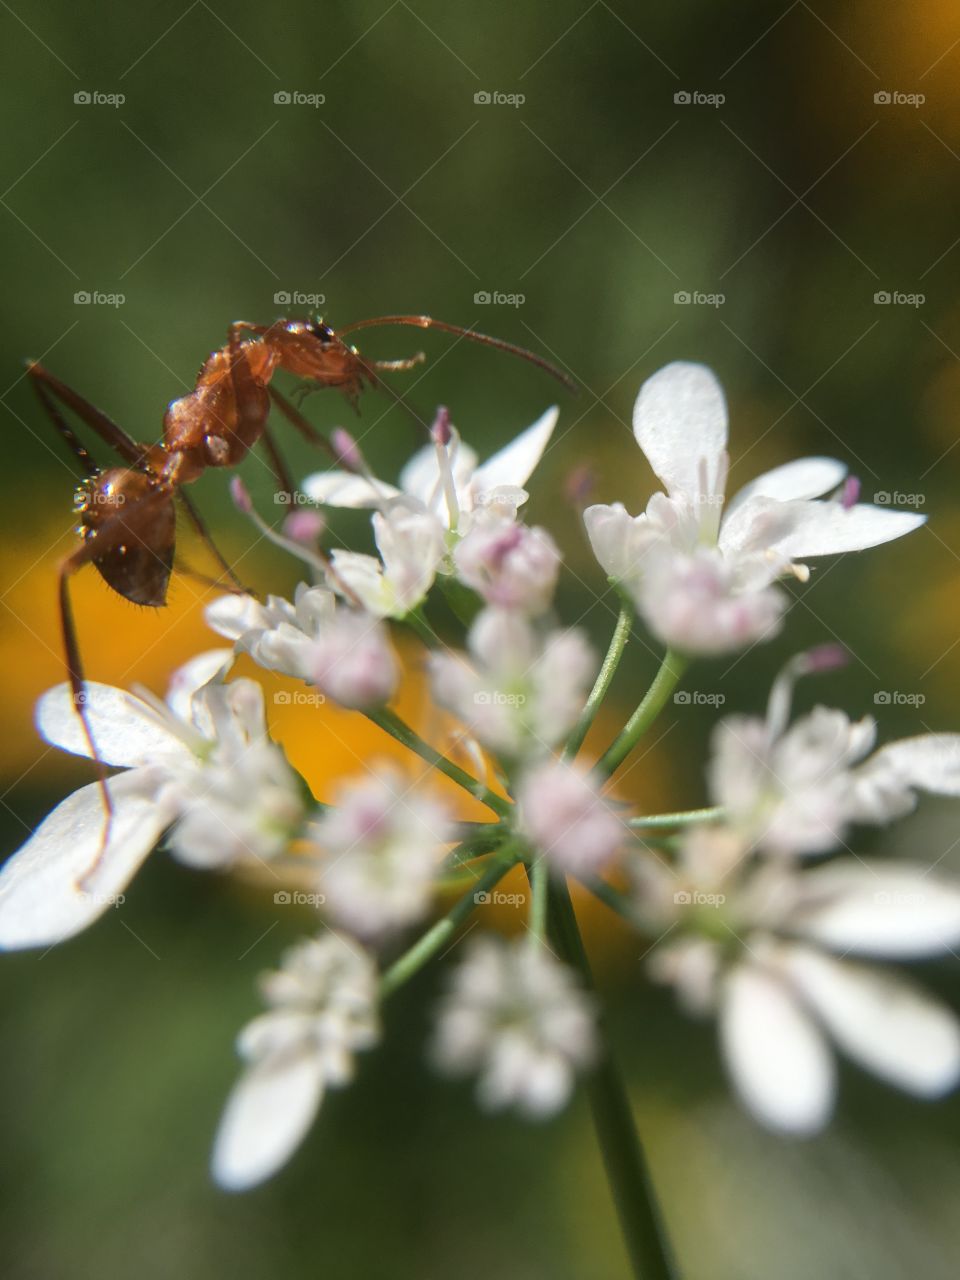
(745, 909)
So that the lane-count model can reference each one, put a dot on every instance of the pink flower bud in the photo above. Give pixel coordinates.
(347, 450)
(566, 818)
(441, 430)
(240, 495)
(850, 492)
(510, 565)
(304, 527)
(353, 662)
(579, 486)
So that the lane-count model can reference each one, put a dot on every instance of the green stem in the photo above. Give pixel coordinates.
(416, 620)
(539, 876)
(623, 1155)
(391, 723)
(436, 937)
(599, 691)
(685, 818)
(664, 682)
(612, 898)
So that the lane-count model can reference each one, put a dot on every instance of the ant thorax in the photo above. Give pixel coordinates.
(222, 418)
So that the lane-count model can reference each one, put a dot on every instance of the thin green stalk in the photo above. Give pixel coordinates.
(685, 818)
(539, 876)
(599, 691)
(664, 682)
(416, 620)
(612, 898)
(391, 723)
(643, 1231)
(426, 947)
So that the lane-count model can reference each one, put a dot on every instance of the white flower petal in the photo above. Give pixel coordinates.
(827, 528)
(613, 534)
(128, 732)
(514, 463)
(879, 908)
(48, 891)
(800, 479)
(930, 761)
(344, 489)
(776, 1056)
(233, 615)
(420, 477)
(266, 1118)
(680, 418)
(881, 1021)
(192, 676)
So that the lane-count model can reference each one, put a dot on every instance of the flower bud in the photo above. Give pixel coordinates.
(566, 818)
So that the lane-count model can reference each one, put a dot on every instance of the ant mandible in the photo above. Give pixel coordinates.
(127, 513)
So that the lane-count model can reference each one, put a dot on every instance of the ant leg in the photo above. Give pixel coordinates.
(114, 530)
(51, 390)
(71, 649)
(278, 466)
(205, 580)
(205, 536)
(285, 485)
(300, 423)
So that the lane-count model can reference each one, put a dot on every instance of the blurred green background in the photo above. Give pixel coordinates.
(600, 198)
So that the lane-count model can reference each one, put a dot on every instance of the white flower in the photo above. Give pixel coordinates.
(509, 564)
(518, 1017)
(520, 692)
(704, 584)
(565, 816)
(323, 1009)
(767, 947)
(444, 479)
(346, 653)
(383, 843)
(797, 789)
(411, 546)
(200, 763)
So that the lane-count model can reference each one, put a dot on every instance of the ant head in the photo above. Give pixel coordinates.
(321, 331)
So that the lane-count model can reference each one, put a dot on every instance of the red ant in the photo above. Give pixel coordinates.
(127, 513)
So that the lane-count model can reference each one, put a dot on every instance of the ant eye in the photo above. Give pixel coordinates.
(321, 331)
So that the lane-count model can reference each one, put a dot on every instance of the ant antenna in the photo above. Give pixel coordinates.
(427, 322)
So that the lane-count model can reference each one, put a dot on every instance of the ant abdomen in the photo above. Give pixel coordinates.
(137, 558)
